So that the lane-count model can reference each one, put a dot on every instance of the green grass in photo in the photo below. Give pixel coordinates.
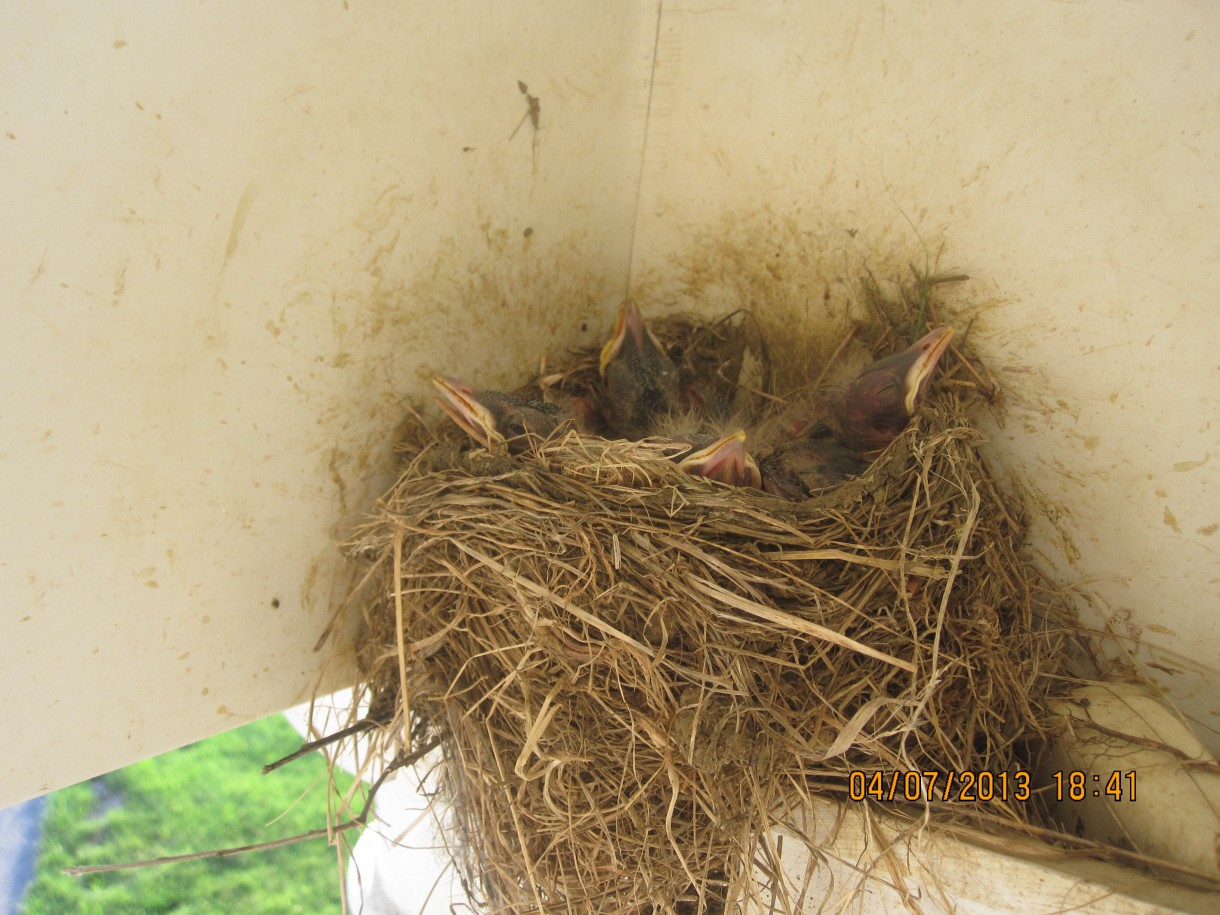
(211, 794)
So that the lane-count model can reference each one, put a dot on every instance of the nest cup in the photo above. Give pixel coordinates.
(632, 673)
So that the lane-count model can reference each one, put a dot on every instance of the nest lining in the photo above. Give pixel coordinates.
(632, 673)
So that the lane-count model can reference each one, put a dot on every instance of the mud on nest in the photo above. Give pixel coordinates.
(631, 672)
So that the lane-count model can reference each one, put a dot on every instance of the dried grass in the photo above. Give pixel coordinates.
(632, 673)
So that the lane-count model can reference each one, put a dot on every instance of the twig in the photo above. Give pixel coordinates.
(361, 819)
(306, 748)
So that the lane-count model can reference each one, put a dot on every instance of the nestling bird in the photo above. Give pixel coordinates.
(875, 406)
(835, 440)
(806, 465)
(878, 403)
(724, 460)
(641, 380)
(714, 453)
(492, 418)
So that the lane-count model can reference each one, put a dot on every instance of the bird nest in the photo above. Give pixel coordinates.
(631, 673)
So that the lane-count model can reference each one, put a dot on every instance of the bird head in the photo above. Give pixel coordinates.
(723, 459)
(493, 418)
(641, 380)
(461, 403)
(878, 403)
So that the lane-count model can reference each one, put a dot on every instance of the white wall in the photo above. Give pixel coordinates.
(234, 236)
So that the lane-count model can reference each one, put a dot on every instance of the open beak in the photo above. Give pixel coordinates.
(726, 461)
(458, 400)
(924, 353)
(630, 329)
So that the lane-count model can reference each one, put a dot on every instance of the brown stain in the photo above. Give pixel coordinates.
(1170, 521)
(310, 590)
(335, 466)
(240, 214)
(512, 304)
(1186, 466)
(1056, 514)
(797, 271)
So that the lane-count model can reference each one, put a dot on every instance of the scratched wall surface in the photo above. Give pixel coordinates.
(235, 238)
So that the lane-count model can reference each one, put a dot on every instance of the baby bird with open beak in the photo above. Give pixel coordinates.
(493, 418)
(714, 453)
(877, 404)
(641, 380)
(836, 439)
